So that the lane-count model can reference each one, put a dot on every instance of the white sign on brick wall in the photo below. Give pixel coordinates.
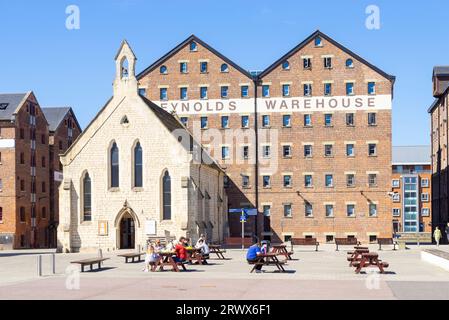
(276, 105)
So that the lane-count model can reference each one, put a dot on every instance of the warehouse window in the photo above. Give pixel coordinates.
(203, 93)
(328, 89)
(350, 88)
(183, 67)
(163, 94)
(203, 67)
(328, 62)
(266, 121)
(224, 68)
(307, 63)
(183, 93)
(350, 63)
(224, 91)
(244, 91)
(163, 70)
(286, 90)
(265, 91)
(371, 88)
(285, 65)
(307, 89)
(318, 42)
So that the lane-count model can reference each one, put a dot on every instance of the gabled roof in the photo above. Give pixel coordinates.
(124, 42)
(55, 116)
(438, 100)
(411, 155)
(441, 71)
(171, 123)
(335, 43)
(181, 46)
(11, 102)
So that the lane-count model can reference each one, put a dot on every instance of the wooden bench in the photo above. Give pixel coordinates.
(305, 242)
(217, 250)
(346, 242)
(386, 242)
(90, 262)
(132, 256)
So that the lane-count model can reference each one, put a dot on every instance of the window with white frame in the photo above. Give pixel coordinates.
(350, 210)
(287, 151)
(287, 181)
(308, 181)
(266, 151)
(224, 152)
(266, 181)
(328, 62)
(288, 210)
(396, 198)
(372, 180)
(425, 212)
(245, 181)
(328, 150)
(307, 63)
(307, 89)
(308, 151)
(245, 152)
(425, 183)
(396, 212)
(395, 183)
(350, 180)
(308, 210)
(373, 210)
(424, 197)
(329, 210)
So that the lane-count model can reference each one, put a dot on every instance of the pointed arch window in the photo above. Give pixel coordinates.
(138, 166)
(166, 196)
(115, 182)
(87, 198)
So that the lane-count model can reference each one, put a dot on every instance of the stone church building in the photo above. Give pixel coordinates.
(136, 173)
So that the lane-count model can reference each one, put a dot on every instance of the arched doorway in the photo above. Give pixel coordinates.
(127, 232)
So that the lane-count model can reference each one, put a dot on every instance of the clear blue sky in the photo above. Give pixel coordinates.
(76, 67)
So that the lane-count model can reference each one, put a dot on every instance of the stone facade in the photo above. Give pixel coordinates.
(198, 201)
(247, 174)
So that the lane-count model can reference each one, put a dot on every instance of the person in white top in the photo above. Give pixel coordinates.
(205, 251)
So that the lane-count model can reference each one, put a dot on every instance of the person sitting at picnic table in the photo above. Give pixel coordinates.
(180, 250)
(186, 242)
(151, 257)
(202, 237)
(205, 251)
(252, 255)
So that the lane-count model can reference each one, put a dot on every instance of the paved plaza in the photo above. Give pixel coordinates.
(312, 275)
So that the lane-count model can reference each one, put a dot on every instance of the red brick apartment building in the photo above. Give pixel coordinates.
(411, 185)
(307, 141)
(439, 113)
(25, 183)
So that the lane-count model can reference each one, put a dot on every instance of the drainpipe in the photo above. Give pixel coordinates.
(256, 127)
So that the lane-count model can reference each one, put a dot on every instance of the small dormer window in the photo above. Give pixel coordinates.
(3, 106)
(318, 42)
(193, 46)
(350, 63)
(286, 65)
(163, 69)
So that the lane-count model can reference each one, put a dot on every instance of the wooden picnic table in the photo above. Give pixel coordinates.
(281, 250)
(90, 262)
(268, 259)
(217, 250)
(166, 260)
(356, 255)
(132, 256)
(370, 260)
(194, 254)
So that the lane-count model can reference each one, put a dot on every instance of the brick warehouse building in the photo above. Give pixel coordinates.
(64, 129)
(25, 184)
(439, 113)
(307, 141)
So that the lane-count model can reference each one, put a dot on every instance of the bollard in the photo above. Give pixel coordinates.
(39, 266)
(54, 263)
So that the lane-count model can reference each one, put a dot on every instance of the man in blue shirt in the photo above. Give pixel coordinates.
(252, 254)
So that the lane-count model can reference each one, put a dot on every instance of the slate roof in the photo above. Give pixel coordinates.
(441, 71)
(13, 101)
(172, 124)
(55, 116)
(411, 155)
